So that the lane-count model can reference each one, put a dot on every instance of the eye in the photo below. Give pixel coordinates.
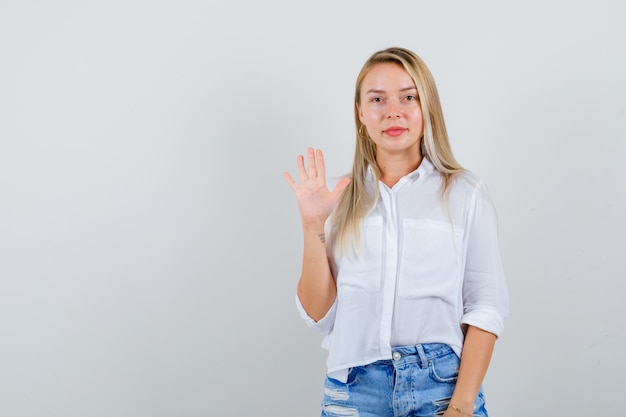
(410, 98)
(376, 99)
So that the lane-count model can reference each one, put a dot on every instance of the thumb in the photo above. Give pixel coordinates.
(341, 187)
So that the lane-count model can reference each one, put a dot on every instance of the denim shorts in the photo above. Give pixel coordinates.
(418, 381)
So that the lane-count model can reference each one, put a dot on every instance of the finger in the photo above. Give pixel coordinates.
(312, 169)
(292, 183)
(301, 171)
(321, 166)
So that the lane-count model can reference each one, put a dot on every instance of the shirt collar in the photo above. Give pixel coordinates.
(425, 169)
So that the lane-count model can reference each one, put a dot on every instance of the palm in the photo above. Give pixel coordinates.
(315, 200)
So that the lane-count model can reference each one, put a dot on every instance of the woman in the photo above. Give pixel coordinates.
(401, 267)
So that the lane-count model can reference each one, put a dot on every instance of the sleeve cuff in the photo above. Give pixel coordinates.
(325, 324)
(485, 319)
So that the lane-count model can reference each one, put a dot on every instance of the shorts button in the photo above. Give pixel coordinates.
(396, 356)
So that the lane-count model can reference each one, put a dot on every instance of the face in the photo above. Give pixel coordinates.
(390, 109)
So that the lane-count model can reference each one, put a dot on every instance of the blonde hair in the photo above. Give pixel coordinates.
(357, 200)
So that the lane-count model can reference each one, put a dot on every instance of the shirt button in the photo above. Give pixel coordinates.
(396, 356)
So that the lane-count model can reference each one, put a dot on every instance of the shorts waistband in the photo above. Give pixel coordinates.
(420, 353)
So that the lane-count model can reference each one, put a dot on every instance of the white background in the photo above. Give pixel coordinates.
(150, 248)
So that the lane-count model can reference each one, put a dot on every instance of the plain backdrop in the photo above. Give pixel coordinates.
(150, 247)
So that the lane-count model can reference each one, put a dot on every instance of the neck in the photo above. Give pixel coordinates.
(395, 166)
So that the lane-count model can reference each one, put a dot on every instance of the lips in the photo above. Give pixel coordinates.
(395, 130)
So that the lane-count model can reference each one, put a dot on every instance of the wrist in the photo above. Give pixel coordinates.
(463, 398)
(316, 227)
(460, 411)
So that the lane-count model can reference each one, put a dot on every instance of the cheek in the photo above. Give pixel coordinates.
(376, 113)
(367, 117)
(418, 116)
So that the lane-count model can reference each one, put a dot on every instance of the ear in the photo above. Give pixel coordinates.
(360, 113)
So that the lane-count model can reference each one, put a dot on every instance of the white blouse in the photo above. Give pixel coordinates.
(427, 266)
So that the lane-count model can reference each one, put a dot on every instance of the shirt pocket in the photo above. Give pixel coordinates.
(430, 261)
(362, 272)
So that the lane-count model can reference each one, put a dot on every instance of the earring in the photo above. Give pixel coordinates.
(363, 132)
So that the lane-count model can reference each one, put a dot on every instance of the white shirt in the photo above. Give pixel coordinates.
(425, 268)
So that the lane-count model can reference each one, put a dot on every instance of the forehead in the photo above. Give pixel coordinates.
(386, 76)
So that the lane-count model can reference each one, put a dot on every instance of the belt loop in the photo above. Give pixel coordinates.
(422, 356)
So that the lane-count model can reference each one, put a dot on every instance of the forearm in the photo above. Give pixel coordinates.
(477, 351)
(316, 288)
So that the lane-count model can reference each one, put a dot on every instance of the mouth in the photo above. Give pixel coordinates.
(395, 131)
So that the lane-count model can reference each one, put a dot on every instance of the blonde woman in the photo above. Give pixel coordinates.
(401, 266)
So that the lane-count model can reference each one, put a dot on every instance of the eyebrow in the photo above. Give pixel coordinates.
(375, 91)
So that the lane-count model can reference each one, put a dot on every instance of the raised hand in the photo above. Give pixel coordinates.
(315, 201)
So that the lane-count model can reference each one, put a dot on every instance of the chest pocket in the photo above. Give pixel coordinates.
(430, 263)
(363, 271)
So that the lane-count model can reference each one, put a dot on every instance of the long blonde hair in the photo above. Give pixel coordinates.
(357, 200)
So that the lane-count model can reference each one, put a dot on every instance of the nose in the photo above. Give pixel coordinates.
(393, 112)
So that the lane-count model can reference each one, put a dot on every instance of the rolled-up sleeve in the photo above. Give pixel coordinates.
(485, 294)
(325, 324)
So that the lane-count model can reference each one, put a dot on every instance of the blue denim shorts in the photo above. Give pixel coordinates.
(418, 381)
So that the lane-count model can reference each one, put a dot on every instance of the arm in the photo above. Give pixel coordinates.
(316, 288)
(485, 302)
(477, 350)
